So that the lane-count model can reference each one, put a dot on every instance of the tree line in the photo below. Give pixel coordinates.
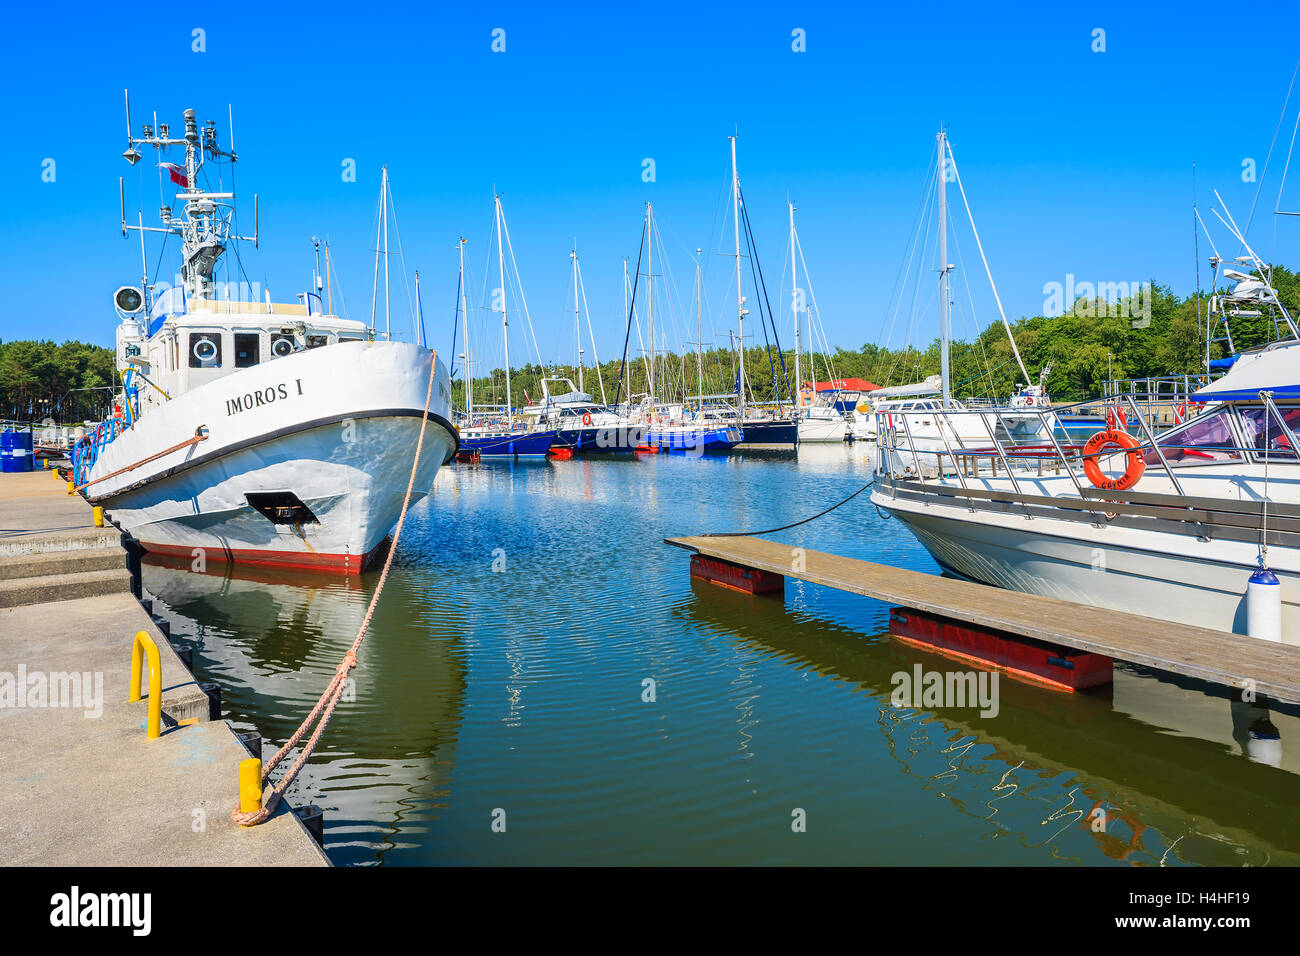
(1084, 348)
(67, 383)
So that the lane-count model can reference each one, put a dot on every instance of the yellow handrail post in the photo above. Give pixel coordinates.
(146, 643)
(98, 512)
(250, 785)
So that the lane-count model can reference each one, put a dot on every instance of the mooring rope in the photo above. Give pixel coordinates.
(324, 708)
(786, 527)
(144, 461)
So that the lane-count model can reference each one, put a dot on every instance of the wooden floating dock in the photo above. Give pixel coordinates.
(1220, 657)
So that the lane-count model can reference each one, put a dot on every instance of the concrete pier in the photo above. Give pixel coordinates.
(83, 784)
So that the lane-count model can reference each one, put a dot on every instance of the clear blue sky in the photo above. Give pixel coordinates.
(1075, 162)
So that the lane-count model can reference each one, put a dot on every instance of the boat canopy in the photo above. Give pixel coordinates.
(1273, 369)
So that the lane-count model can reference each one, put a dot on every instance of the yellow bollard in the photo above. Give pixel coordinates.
(145, 643)
(99, 516)
(250, 785)
(71, 488)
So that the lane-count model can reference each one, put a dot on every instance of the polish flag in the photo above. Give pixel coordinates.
(177, 174)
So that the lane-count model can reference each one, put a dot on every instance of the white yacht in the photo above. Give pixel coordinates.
(1178, 539)
(254, 432)
(1175, 524)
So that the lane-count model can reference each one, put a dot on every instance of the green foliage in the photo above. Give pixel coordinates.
(39, 379)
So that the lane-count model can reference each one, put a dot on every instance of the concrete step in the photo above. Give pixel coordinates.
(61, 562)
(16, 592)
(76, 539)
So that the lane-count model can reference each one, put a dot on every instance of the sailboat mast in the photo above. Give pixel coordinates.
(629, 319)
(383, 212)
(699, 330)
(469, 350)
(650, 291)
(505, 322)
(740, 298)
(944, 331)
(794, 306)
(577, 315)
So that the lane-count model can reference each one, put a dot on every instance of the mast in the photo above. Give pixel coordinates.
(943, 270)
(505, 322)
(469, 350)
(650, 292)
(740, 298)
(329, 290)
(577, 315)
(629, 319)
(699, 331)
(794, 306)
(383, 212)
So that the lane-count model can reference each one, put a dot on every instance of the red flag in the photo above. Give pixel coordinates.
(177, 174)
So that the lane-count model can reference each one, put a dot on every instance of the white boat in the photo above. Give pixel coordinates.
(1203, 513)
(256, 432)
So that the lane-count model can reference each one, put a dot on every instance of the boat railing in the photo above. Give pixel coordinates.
(961, 449)
(86, 451)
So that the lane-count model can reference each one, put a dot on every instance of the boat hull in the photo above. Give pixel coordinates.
(829, 430)
(518, 445)
(769, 434)
(311, 478)
(1157, 574)
(697, 441)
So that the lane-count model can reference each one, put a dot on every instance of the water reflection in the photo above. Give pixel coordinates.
(383, 772)
(1148, 771)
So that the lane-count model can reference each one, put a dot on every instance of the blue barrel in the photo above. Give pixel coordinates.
(16, 452)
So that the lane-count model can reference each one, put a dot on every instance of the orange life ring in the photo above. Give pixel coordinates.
(1137, 466)
(586, 418)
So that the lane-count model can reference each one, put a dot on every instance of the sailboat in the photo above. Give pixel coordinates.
(494, 431)
(762, 428)
(253, 432)
(663, 427)
(821, 420)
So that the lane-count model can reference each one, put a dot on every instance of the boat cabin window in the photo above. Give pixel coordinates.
(316, 341)
(1205, 440)
(205, 350)
(248, 347)
(1265, 435)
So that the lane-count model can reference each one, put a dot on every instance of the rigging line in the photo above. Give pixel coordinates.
(455, 324)
(812, 297)
(1259, 186)
(627, 334)
(519, 284)
(401, 255)
(746, 534)
(916, 292)
(757, 270)
(979, 245)
(916, 252)
(979, 342)
(904, 265)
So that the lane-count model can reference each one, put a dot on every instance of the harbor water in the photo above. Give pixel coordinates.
(543, 683)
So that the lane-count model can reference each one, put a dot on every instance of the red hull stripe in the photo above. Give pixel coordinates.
(331, 563)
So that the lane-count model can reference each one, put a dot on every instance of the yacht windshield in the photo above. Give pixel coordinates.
(1207, 439)
(1265, 435)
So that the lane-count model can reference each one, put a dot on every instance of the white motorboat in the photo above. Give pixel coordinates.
(255, 432)
(1204, 514)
